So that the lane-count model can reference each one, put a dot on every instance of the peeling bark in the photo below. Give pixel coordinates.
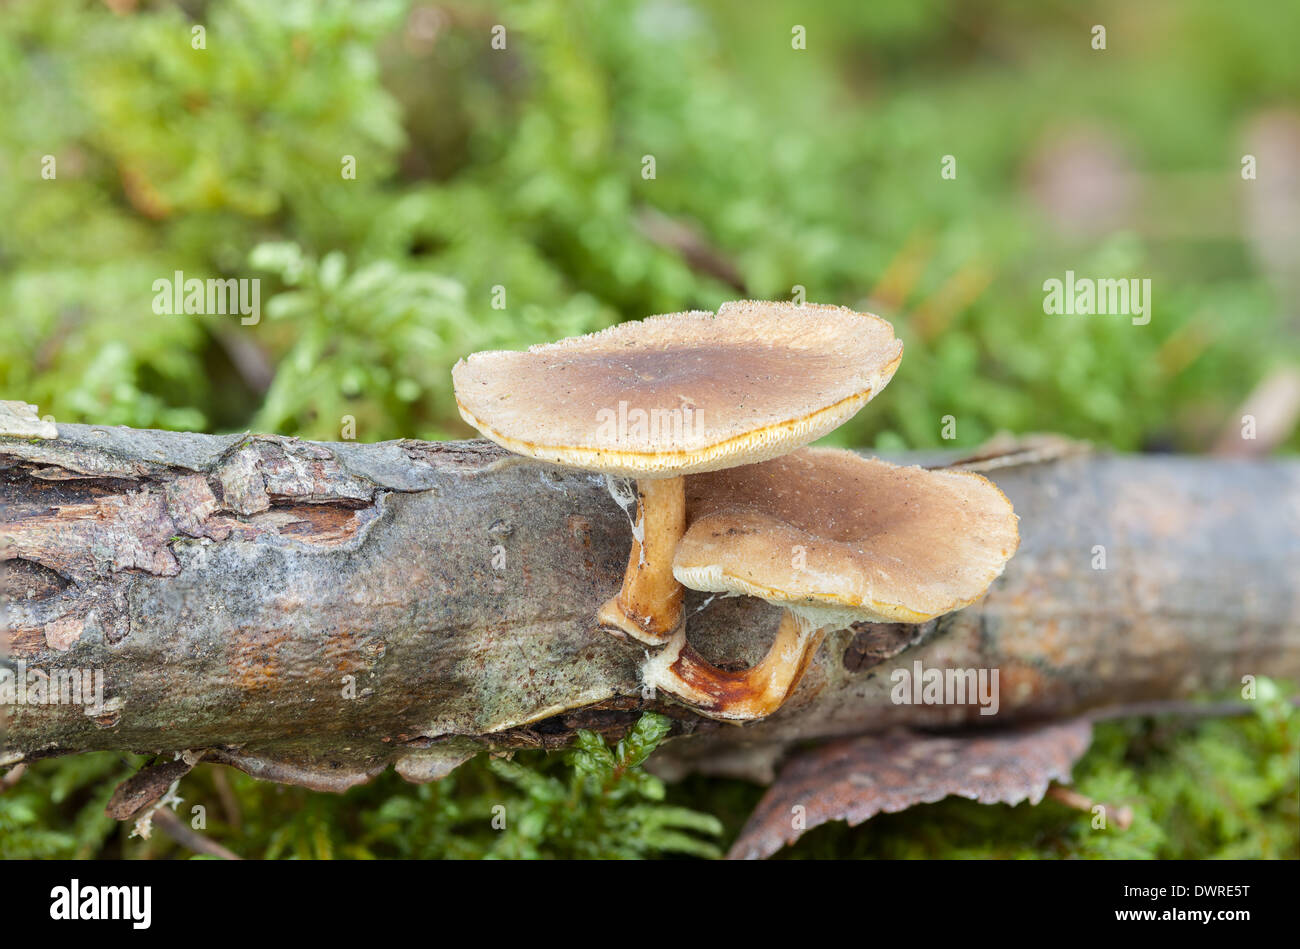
(314, 613)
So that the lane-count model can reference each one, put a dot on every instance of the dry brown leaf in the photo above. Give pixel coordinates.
(854, 779)
(144, 789)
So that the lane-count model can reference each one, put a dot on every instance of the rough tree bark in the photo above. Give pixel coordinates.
(314, 613)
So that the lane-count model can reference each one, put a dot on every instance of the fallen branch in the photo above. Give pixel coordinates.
(314, 613)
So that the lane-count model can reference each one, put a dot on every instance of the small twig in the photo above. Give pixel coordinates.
(249, 359)
(12, 777)
(932, 316)
(1080, 802)
(902, 272)
(1273, 408)
(687, 241)
(229, 802)
(190, 839)
(1179, 708)
(1011, 451)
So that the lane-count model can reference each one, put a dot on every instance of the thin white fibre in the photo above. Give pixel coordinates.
(623, 491)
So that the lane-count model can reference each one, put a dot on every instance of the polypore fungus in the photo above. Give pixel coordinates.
(835, 539)
(676, 395)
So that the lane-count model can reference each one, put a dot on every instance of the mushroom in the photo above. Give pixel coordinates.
(675, 395)
(835, 539)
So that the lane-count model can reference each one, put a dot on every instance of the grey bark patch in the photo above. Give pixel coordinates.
(436, 762)
(19, 420)
(243, 486)
(326, 773)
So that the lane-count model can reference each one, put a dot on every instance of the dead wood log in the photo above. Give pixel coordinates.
(314, 613)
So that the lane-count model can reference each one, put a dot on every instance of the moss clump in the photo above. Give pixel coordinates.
(589, 802)
(1209, 789)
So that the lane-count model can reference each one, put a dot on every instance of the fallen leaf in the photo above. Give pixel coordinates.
(144, 789)
(857, 778)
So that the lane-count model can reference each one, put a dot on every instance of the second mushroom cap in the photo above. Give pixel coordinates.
(846, 538)
(835, 539)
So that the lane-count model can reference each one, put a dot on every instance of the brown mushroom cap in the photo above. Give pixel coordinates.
(880, 542)
(752, 382)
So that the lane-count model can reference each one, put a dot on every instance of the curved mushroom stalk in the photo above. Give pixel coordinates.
(736, 696)
(649, 606)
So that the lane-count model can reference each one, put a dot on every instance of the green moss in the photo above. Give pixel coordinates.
(592, 801)
(522, 170)
(1197, 789)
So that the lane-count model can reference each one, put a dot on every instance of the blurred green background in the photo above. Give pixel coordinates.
(522, 169)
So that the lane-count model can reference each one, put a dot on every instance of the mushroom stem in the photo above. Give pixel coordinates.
(649, 606)
(736, 696)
